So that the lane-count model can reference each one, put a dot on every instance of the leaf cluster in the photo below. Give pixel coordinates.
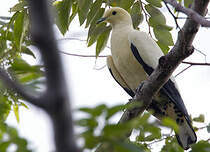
(97, 130)
(15, 42)
(9, 137)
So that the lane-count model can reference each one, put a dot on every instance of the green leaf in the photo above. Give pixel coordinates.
(101, 42)
(116, 131)
(3, 45)
(19, 7)
(94, 112)
(97, 16)
(4, 145)
(29, 76)
(136, 15)
(84, 6)
(19, 29)
(171, 145)
(156, 3)
(200, 118)
(114, 3)
(16, 111)
(21, 66)
(157, 17)
(113, 110)
(201, 146)
(154, 132)
(95, 30)
(188, 3)
(74, 12)
(63, 14)
(126, 4)
(24, 105)
(163, 36)
(170, 123)
(93, 12)
(163, 47)
(27, 51)
(91, 141)
(5, 107)
(88, 122)
(127, 147)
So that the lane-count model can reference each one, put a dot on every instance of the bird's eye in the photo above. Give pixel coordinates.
(114, 13)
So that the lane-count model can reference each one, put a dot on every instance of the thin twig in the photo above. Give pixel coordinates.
(159, 140)
(201, 53)
(202, 127)
(85, 56)
(96, 68)
(146, 17)
(5, 17)
(194, 63)
(76, 39)
(183, 70)
(71, 38)
(189, 18)
(175, 18)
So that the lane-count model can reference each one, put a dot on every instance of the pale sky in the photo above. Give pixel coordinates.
(90, 87)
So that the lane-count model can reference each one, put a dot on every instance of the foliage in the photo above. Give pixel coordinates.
(15, 43)
(97, 127)
(9, 138)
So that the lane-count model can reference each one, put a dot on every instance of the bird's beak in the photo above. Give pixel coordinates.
(101, 20)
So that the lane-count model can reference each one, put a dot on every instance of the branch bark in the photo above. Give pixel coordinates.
(189, 12)
(20, 89)
(55, 99)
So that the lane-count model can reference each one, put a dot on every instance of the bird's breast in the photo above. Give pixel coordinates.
(126, 64)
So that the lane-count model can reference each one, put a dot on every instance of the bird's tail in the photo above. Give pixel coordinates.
(186, 135)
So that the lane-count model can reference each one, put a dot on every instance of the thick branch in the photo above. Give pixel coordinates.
(56, 97)
(190, 12)
(21, 90)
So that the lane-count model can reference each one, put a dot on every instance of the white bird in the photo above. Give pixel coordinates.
(134, 57)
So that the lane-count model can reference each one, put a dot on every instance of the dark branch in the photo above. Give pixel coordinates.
(183, 70)
(194, 63)
(190, 12)
(56, 98)
(21, 90)
(175, 18)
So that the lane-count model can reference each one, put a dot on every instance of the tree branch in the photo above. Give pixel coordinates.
(26, 93)
(189, 12)
(81, 55)
(56, 98)
(194, 63)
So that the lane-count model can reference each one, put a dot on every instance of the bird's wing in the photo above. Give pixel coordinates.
(118, 78)
(147, 53)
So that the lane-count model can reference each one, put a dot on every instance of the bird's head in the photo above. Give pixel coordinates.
(116, 15)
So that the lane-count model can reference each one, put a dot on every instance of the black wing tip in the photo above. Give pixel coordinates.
(189, 142)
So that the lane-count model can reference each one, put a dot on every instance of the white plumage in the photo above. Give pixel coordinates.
(134, 56)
